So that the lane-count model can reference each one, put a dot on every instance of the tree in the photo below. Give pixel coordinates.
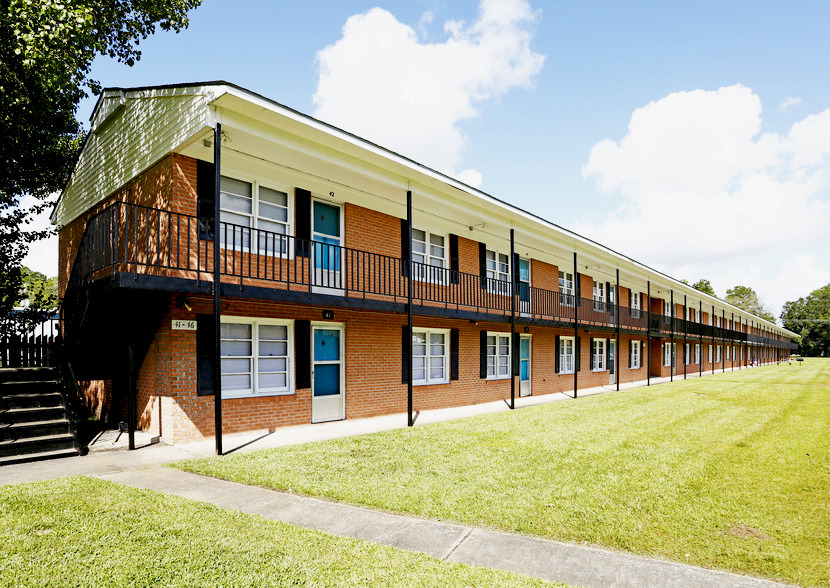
(705, 286)
(46, 52)
(36, 302)
(810, 318)
(747, 299)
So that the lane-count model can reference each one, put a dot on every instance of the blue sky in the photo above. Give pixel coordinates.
(529, 133)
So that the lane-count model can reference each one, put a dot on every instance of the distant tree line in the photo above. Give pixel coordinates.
(810, 318)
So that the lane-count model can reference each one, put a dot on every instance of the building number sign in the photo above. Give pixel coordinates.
(189, 325)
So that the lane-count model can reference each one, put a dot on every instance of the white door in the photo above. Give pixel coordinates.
(328, 395)
(327, 250)
(612, 361)
(524, 365)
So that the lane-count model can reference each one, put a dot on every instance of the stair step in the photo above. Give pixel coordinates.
(27, 387)
(30, 374)
(27, 430)
(12, 459)
(43, 399)
(32, 413)
(37, 444)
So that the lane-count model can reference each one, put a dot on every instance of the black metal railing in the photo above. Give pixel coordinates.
(149, 241)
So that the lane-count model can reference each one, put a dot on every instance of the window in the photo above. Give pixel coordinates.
(687, 354)
(697, 352)
(498, 356)
(429, 356)
(566, 288)
(498, 268)
(634, 303)
(667, 308)
(710, 353)
(599, 296)
(566, 355)
(666, 354)
(636, 354)
(429, 253)
(247, 206)
(255, 357)
(598, 355)
(727, 353)
(718, 354)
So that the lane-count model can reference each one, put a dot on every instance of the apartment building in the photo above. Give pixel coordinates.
(354, 282)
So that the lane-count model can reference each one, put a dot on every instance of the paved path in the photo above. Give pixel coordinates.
(561, 562)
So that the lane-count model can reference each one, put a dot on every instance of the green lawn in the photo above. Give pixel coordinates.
(89, 532)
(731, 471)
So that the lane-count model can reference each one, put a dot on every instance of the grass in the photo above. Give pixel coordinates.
(90, 532)
(731, 471)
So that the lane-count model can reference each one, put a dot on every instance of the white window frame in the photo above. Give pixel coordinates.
(718, 354)
(687, 353)
(599, 296)
(667, 308)
(254, 391)
(437, 275)
(634, 303)
(728, 354)
(598, 353)
(567, 344)
(697, 353)
(502, 285)
(271, 237)
(567, 294)
(636, 355)
(711, 352)
(497, 356)
(427, 380)
(666, 354)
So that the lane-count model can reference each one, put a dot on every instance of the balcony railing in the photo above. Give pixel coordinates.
(144, 241)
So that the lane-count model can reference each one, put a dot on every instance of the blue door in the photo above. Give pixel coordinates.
(327, 398)
(327, 244)
(524, 366)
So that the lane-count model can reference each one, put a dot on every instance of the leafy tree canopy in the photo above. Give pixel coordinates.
(46, 51)
(810, 318)
(747, 299)
(705, 286)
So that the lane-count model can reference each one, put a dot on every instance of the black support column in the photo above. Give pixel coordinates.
(648, 332)
(577, 348)
(217, 295)
(673, 350)
(700, 336)
(619, 342)
(685, 335)
(410, 420)
(513, 348)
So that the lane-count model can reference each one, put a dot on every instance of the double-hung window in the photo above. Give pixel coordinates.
(636, 354)
(667, 313)
(697, 353)
(710, 353)
(686, 354)
(566, 288)
(718, 355)
(248, 209)
(727, 353)
(429, 256)
(599, 296)
(256, 357)
(566, 355)
(634, 303)
(598, 354)
(498, 272)
(666, 354)
(498, 356)
(429, 356)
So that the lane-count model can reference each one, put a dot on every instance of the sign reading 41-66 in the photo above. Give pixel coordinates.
(188, 325)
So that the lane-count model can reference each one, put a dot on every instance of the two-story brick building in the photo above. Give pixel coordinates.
(326, 245)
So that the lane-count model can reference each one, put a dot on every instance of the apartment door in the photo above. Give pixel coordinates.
(327, 373)
(524, 365)
(524, 286)
(327, 253)
(612, 364)
(674, 359)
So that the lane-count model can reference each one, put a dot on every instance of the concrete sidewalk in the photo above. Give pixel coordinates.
(561, 562)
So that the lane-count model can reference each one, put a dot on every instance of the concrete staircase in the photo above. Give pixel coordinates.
(33, 420)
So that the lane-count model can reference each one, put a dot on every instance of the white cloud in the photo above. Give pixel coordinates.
(697, 184)
(470, 177)
(788, 102)
(379, 81)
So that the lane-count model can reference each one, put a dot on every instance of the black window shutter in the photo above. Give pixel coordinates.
(205, 197)
(515, 354)
(578, 289)
(453, 258)
(591, 354)
(608, 306)
(515, 267)
(302, 354)
(406, 353)
(482, 264)
(631, 354)
(483, 355)
(578, 359)
(557, 351)
(608, 355)
(454, 334)
(205, 346)
(302, 221)
(405, 245)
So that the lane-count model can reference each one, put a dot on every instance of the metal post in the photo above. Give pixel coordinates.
(671, 325)
(619, 343)
(723, 342)
(217, 300)
(685, 333)
(408, 261)
(713, 339)
(131, 408)
(700, 337)
(577, 359)
(648, 331)
(513, 360)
